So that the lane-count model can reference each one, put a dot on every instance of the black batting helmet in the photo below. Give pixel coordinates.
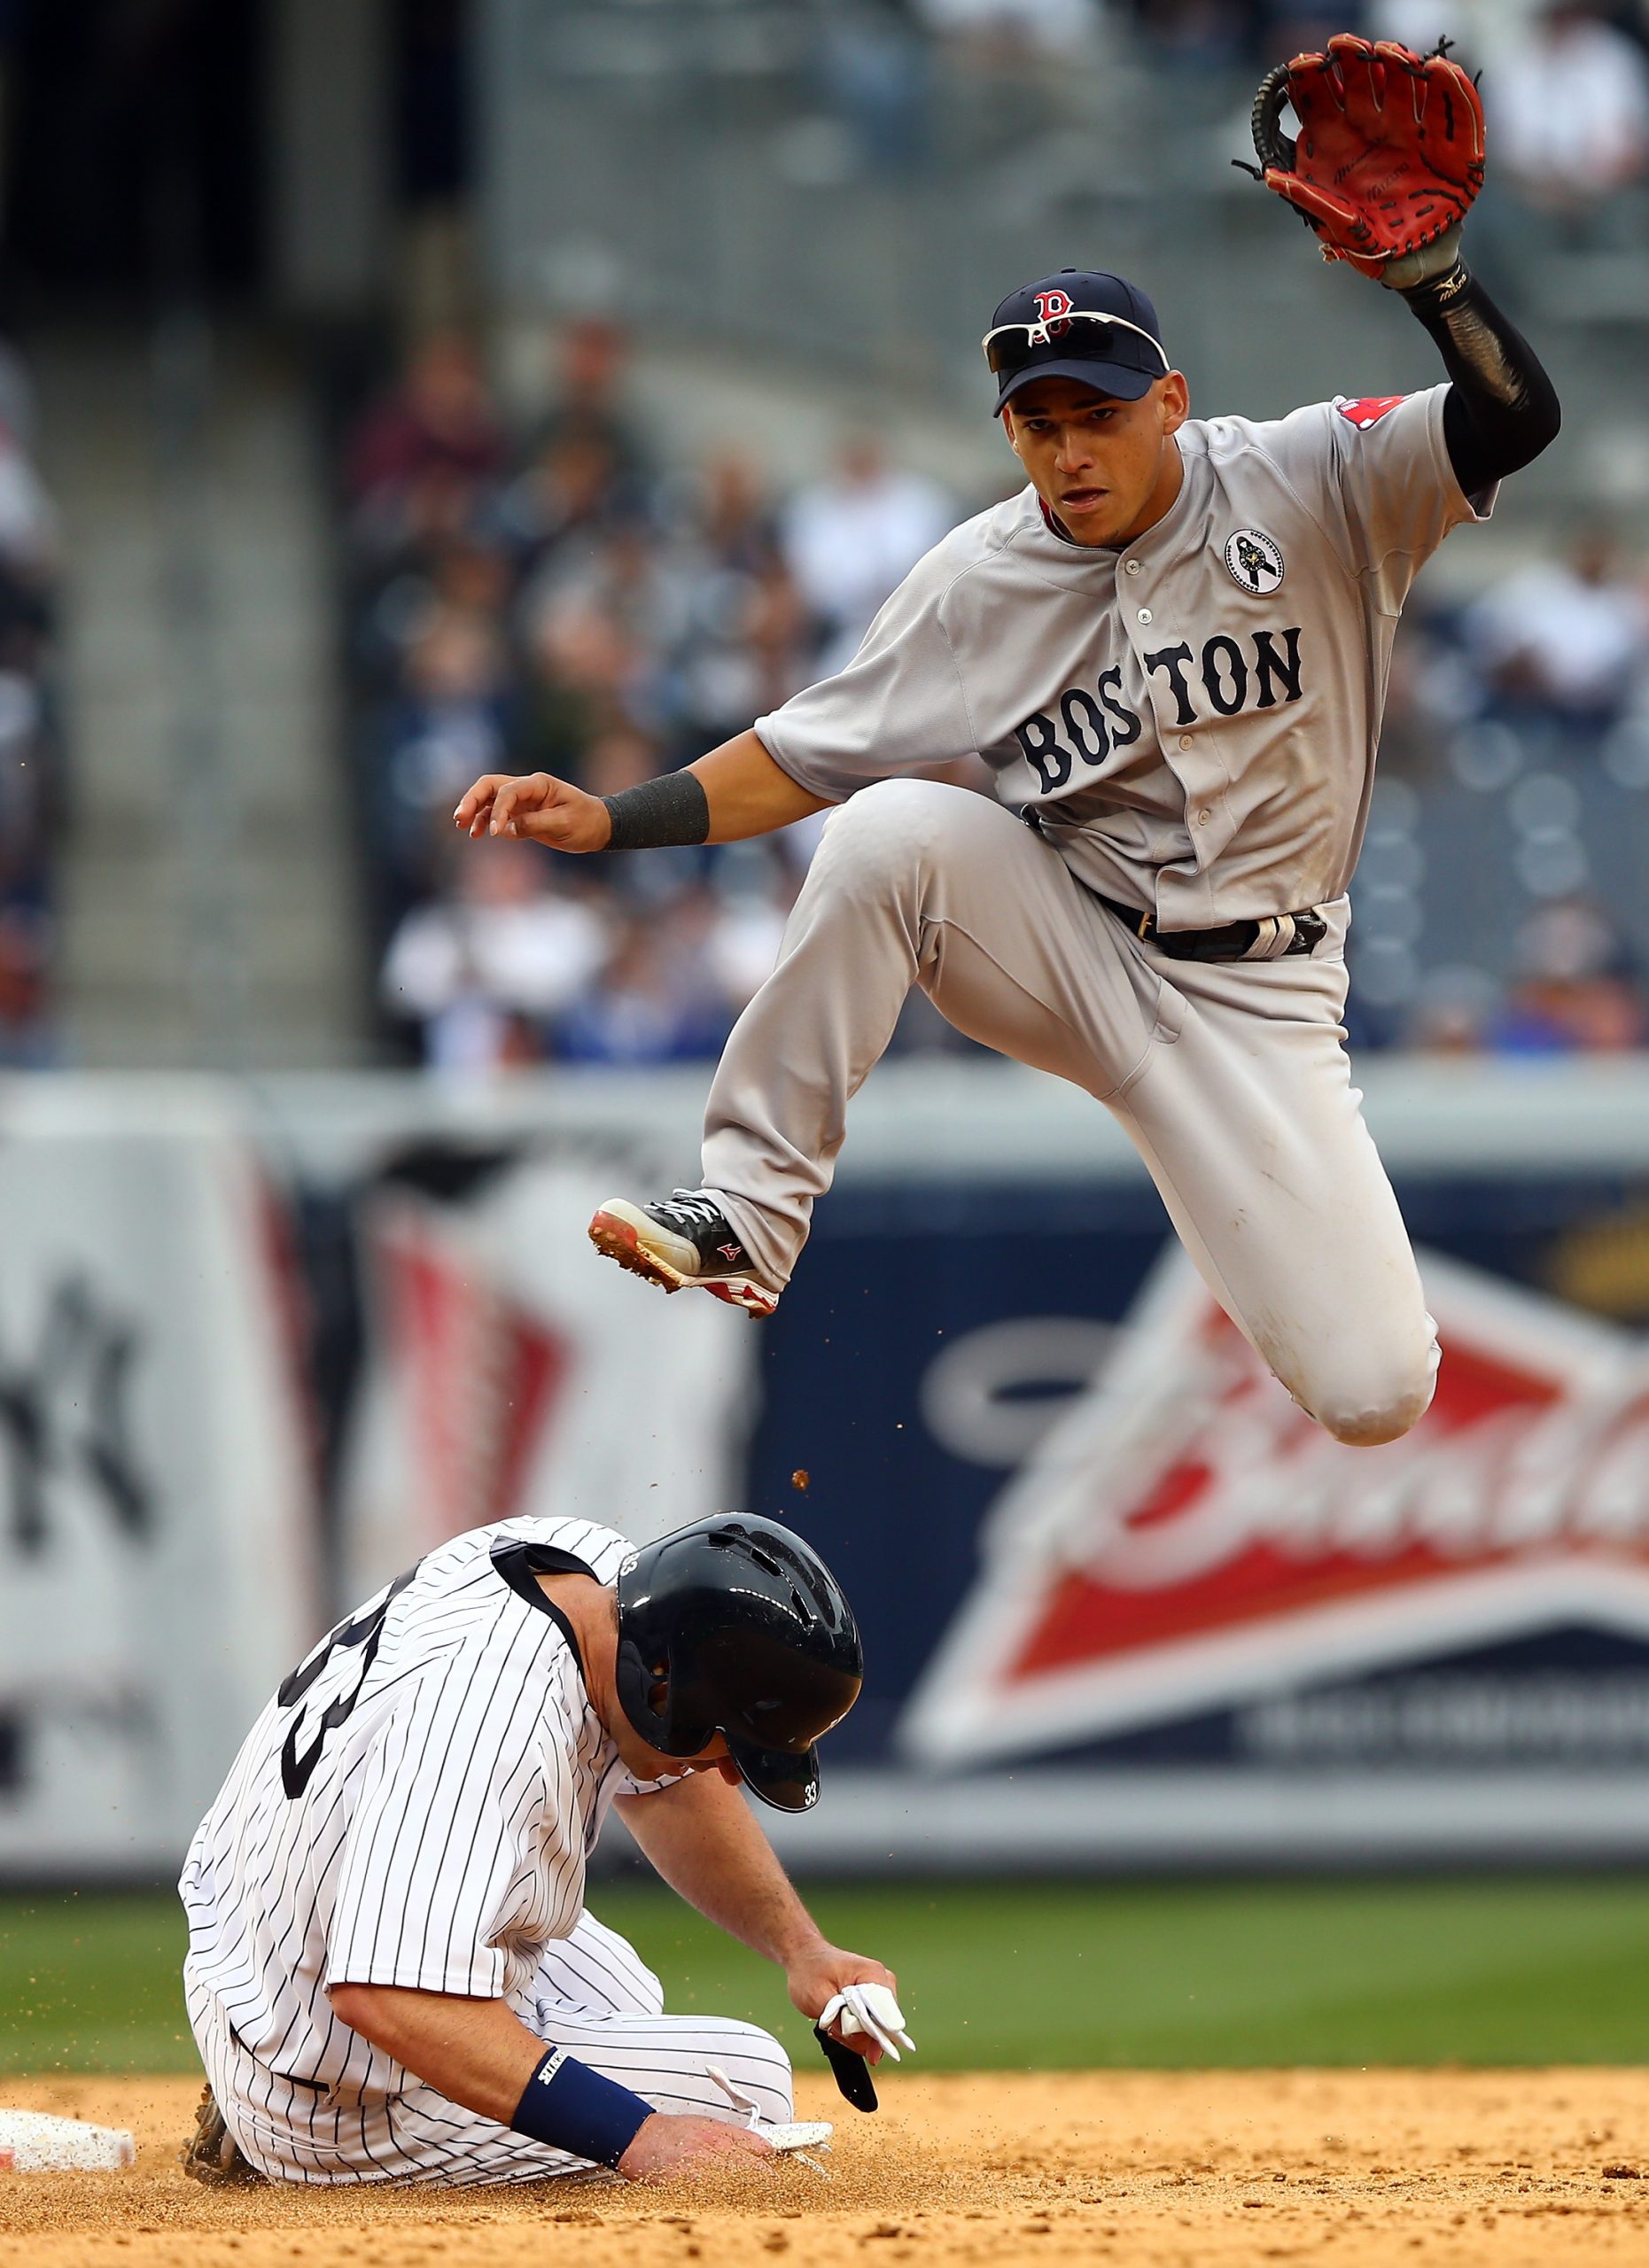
(750, 1636)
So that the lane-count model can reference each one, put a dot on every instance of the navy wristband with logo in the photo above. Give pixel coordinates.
(575, 2109)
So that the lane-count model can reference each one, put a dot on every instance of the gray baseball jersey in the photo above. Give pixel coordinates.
(1191, 718)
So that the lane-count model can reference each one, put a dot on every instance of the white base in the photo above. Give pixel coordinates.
(31, 2142)
(801, 2135)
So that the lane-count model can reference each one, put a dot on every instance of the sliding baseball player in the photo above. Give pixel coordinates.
(391, 1972)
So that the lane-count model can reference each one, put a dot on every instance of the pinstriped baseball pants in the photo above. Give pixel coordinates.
(593, 1995)
(1230, 1077)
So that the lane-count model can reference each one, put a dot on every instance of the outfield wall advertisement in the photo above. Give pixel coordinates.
(218, 1428)
(1143, 1611)
(500, 1374)
(159, 1512)
(1124, 1604)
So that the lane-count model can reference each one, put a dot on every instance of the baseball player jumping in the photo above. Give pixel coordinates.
(391, 1975)
(1171, 648)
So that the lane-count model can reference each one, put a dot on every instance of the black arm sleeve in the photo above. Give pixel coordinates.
(1501, 410)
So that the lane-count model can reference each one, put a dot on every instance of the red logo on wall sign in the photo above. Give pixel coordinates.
(1369, 409)
(1186, 1538)
(483, 1374)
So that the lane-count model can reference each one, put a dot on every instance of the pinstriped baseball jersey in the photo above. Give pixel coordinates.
(414, 1808)
(1190, 718)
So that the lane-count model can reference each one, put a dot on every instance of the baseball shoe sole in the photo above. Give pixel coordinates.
(212, 2155)
(650, 1249)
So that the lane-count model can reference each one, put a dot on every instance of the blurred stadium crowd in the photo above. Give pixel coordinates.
(1570, 82)
(1208, 35)
(556, 601)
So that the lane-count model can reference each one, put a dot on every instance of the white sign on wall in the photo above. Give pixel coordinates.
(158, 1569)
(510, 1370)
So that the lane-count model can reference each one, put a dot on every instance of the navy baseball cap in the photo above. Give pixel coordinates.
(1095, 328)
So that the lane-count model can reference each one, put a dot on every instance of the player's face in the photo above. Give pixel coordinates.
(1107, 469)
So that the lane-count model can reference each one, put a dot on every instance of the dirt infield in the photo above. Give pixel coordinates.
(1520, 2170)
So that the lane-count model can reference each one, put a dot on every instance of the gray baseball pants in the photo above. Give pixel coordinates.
(1231, 1078)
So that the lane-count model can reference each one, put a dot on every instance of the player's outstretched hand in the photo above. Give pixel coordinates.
(665, 2145)
(533, 807)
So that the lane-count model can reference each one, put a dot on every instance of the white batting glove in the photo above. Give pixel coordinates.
(872, 2010)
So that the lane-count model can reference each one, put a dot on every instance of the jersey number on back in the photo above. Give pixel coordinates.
(297, 1771)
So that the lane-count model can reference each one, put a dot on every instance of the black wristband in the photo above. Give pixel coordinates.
(1438, 293)
(583, 2112)
(659, 814)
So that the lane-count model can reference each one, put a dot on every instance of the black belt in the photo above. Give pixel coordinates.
(1279, 939)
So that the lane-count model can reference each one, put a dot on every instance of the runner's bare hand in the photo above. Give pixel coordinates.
(665, 2145)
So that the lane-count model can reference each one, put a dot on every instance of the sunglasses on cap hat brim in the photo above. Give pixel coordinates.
(1079, 337)
(1079, 346)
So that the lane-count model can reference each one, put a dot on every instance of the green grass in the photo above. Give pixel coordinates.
(90, 1984)
(1057, 1975)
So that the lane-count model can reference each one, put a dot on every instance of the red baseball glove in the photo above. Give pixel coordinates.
(1390, 149)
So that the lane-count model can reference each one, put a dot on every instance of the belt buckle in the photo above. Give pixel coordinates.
(1310, 929)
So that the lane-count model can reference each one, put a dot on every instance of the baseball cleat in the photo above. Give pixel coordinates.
(211, 2154)
(681, 1242)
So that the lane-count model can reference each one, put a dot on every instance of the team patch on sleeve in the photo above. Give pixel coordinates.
(1369, 409)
